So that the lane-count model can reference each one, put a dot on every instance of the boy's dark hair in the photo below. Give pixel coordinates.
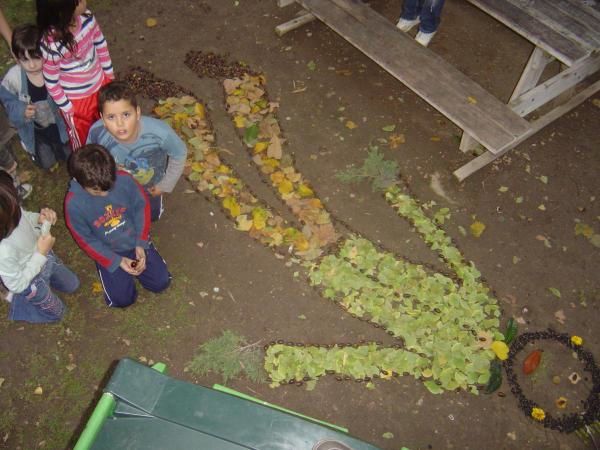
(115, 91)
(25, 42)
(54, 19)
(93, 167)
(10, 210)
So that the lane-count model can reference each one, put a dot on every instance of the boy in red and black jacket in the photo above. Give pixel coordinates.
(108, 215)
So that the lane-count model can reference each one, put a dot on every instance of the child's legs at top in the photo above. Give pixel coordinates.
(48, 147)
(156, 277)
(61, 277)
(411, 9)
(44, 156)
(85, 114)
(156, 206)
(37, 303)
(7, 160)
(431, 12)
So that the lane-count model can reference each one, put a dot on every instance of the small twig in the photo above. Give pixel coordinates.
(231, 296)
(241, 349)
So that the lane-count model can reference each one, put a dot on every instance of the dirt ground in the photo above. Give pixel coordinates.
(525, 250)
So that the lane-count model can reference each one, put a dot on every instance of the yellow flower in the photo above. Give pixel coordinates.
(576, 340)
(500, 349)
(386, 374)
(538, 414)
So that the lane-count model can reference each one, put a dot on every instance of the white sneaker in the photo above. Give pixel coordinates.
(405, 25)
(424, 38)
(24, 190)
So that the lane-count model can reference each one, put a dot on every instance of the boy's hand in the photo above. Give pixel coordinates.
(140, 254)
(154, 191)
(130, 266)
(30, 112)
(45, 243)
(47, 214)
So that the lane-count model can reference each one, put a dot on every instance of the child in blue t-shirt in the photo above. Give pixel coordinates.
(145, 147)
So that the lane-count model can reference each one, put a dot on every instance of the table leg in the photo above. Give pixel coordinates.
(538, 61)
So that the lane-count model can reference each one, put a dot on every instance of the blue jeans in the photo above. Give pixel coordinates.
(37, 303)
(156, 206)
(428, 12)
(119, 286)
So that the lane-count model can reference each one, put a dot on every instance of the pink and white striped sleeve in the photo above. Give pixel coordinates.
(102, 51)
(51, 72)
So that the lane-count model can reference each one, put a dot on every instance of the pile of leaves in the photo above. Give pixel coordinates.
(209, 174)
(439, 321)
(252, 112)
(446, 325)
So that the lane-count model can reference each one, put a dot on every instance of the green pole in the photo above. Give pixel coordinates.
(225, 389)
(103, 409)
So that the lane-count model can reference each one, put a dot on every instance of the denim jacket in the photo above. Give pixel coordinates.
(15, 97)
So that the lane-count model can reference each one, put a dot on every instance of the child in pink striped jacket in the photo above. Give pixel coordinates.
(76, 62)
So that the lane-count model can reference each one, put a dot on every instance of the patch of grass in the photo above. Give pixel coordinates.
(8, 417)
(230, 355)
(380, 172)
(17, 12)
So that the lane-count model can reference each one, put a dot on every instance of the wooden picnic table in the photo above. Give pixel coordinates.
(565, 30)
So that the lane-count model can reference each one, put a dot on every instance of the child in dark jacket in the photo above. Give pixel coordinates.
(108, 215)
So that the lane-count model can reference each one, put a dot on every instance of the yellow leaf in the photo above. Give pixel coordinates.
(386, 374)
(500, 349)
(271, 162)
(38, 390)
(435, 138)
(277, 177)
(180, 117)
(301, 243)
(477, 228)
(285, 187)
(199, 110)
(396, 139)
(223, 169)
(351, 125)
(240, 121)
(584, 230)
(231, 204)
(96, 287)
(260, 147)
(242, 223)
(259, 218)
(472, 100)
(316, 203)
(151, 22)
(304, 191)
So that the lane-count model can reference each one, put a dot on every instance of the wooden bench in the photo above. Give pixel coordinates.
(484, 119)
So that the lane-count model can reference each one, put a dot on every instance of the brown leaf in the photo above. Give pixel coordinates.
(560, 316)
(274, 150)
